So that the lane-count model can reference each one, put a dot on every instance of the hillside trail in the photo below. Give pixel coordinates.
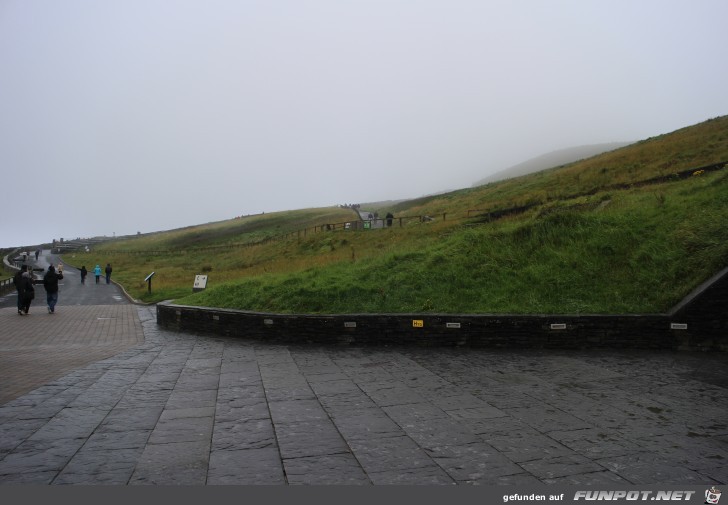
(70, 289)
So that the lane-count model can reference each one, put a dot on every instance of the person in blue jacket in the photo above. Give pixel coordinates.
(97, 273)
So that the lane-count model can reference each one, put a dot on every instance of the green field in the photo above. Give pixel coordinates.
(603, 235)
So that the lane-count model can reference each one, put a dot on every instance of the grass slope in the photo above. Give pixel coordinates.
(592, 241)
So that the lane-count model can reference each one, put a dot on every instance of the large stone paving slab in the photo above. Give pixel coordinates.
(166, 408)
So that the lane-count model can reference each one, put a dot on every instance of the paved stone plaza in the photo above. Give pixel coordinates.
(139, 405)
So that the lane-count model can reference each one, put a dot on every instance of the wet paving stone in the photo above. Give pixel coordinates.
(243, 434)
(652, 468)
(594, 479)
(180, 399)
(596, 443)
(177, 463)
(115, 440)
(524, 447)
(255, 466)
(182, 429)
(97, 467)
(476, 462)
(39, 457)
(545, 418)
(330, 469)
(290, 411)
(182, 409)
(365, 423)
(228, 411)
(309, 438)
(394, 454)
(561, 466)
(421, 476)
(131, 419)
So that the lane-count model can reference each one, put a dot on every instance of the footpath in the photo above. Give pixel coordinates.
(97, 393)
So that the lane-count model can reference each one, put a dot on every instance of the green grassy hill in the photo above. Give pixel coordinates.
(621, 232)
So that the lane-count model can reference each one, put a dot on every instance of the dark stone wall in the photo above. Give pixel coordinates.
(702, 321)
(705, 312)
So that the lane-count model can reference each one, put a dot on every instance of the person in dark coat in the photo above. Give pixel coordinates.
(50, 283)
(26, 293)
(108, 273)
(17, 279)
(84, 273)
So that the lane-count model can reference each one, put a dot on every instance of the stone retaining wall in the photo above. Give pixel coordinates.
(700, 322)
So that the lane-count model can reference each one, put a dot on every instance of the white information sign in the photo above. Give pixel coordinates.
(200, 283)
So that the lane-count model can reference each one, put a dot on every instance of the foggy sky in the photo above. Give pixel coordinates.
(146, 115)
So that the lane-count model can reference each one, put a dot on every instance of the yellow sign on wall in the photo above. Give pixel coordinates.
(418, 323)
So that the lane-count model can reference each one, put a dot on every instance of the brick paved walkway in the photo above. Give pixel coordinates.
(39, 347)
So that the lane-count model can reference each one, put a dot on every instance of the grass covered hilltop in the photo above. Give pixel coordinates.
(629, 231)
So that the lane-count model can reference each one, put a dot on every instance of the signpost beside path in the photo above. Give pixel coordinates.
(148, 280)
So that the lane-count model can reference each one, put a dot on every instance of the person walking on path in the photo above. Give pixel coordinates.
(50, 283)
(17, 281)
(84, 273)
(108, 273)
(97, 273)
(26, 293)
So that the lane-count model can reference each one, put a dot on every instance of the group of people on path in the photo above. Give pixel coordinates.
(97, 273)
(23, 281)
(26, 290)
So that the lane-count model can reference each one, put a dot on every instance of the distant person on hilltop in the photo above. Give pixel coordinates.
(108, 273)
(97, 273)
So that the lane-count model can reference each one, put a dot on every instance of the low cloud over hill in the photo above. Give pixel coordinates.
(550, 160)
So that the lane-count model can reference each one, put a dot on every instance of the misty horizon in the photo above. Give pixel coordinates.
(120, 118)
